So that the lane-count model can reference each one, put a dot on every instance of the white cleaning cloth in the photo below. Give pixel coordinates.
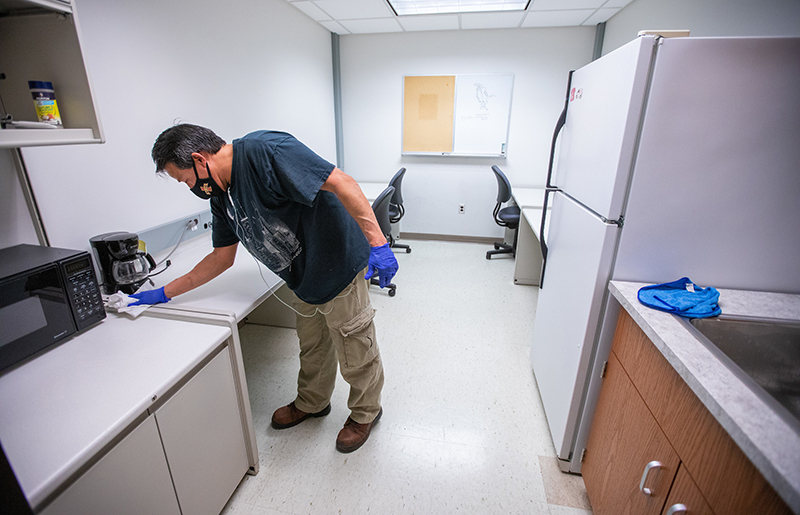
(120, 303)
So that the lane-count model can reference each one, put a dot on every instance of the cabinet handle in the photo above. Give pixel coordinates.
(650, 466)
(677, 508)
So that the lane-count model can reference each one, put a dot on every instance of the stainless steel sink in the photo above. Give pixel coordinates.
(765, 353)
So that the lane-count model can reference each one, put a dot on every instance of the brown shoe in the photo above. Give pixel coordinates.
(353, 435)
(289, 416)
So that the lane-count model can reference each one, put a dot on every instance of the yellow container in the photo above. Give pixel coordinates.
(44, 98)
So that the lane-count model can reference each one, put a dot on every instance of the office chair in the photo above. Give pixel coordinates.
(506, 217)
(396, 210)
(381, 209)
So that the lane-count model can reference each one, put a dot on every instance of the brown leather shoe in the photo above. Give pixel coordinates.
(353, 435)
(289, 416)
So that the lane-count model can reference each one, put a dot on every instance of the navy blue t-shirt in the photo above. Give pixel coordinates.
(281, 216)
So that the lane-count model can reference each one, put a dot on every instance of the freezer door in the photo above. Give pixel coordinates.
(579, 262)
(597, 142)
(716, 190)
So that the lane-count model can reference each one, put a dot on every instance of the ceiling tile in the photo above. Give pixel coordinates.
(617, 3)
(371, 26)
(556, 18)
(601, 15)
(335, 27)
(440, 22)
(314, 12)
(494, 20)
(354, 9)
(564, 5)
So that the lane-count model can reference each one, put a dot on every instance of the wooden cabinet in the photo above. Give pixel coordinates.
(41, 41)
(625, 440)
(190, 451)
(645, 410)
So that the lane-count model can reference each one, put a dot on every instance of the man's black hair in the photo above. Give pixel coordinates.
(176, 144)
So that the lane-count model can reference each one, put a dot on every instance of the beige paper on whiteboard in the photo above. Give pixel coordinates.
(428, 104)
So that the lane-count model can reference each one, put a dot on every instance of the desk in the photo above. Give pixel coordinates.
(528, 197)
(372, 189)
(528, 263)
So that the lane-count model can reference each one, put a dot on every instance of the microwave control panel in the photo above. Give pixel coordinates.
(83, 291)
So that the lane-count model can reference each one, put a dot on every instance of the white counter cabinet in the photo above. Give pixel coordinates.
(196, 435)
(132, 416)
(132, 478)
(203, 438)
(41, 41)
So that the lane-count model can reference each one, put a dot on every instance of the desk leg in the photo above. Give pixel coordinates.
(528, 263)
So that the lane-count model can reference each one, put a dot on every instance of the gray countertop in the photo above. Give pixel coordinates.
(767, 439)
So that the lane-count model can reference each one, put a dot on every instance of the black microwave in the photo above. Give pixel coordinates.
(46, 295)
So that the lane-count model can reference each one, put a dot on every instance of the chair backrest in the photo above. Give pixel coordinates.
(381, 209)
(503, 186)
(397, 182)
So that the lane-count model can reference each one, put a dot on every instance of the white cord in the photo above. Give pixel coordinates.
(258, 264)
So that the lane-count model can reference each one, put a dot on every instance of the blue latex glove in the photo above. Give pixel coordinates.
(150, 297)
(383, 263)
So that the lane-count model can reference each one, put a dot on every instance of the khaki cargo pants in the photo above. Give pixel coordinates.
(342, 330)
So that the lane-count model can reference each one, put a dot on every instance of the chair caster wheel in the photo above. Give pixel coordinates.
(408, 251)
(496, 246)
(488, 256)
(392, 292)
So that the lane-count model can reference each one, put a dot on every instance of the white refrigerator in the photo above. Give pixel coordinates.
(673, 157)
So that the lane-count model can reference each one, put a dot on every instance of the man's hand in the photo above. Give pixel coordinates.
(150, 297)
(382, 262)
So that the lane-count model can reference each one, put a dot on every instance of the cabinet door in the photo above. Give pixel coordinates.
(686, 496)
(729, 481)
(624, 439)
(131, 479)
(201, 428)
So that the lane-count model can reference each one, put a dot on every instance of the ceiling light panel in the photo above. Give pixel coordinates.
(411, 7)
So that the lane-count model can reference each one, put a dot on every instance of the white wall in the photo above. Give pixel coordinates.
(235, 67)
(15, 222)
(373, 67)
(704, 18)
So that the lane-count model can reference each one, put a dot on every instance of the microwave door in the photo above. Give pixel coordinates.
(34, 314)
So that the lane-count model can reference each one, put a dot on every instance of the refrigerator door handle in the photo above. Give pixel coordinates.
(559, 125)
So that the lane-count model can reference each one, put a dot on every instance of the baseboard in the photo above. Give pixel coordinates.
(484, 240)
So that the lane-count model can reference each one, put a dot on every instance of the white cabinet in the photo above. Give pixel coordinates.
(40, 40)
(192, 446)
(203, 438)
(132, 478)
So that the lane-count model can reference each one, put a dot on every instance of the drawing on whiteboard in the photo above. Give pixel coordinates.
(483, 96)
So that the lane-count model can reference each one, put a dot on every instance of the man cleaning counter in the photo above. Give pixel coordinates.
(309, 223)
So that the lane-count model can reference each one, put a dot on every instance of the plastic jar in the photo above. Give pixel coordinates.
(44, 98)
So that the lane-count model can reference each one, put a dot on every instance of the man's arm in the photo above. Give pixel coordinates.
(220, 259)
(381, 258)
(350, 195)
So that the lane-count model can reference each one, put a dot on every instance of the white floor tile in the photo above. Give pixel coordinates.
(463, 425)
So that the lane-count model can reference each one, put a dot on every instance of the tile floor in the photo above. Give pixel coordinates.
(463, 429)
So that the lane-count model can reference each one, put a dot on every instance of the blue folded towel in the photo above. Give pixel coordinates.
(683, 298)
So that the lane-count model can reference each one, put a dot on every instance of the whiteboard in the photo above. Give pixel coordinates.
(477, 124)
(483, 107)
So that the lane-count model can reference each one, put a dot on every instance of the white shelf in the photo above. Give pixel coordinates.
(13, 138)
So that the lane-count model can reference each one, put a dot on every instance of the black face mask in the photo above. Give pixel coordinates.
(206, 188)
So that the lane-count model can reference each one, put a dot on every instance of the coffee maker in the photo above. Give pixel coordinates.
(123, 266)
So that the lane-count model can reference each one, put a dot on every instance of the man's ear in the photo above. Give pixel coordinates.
(200, 158)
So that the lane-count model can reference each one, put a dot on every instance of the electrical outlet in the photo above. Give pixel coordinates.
(461, 209)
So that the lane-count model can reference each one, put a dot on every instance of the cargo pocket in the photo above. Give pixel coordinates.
(359, 339)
